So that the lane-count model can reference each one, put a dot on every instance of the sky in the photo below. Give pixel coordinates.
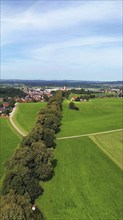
(58, 40)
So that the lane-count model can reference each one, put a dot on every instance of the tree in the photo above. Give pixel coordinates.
(21, 181)
(12, 103)
(37, 158)
(71, 105)
(1, 104)
(17, 207)
(51, 110)
(7, 111)
(46, 98)
(52, 122)
(49, 137)
(37, 132)
(44, 159)
(27, 141)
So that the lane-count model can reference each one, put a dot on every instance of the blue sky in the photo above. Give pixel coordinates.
(76, 40)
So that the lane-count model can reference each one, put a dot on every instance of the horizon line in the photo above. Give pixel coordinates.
(63, 80)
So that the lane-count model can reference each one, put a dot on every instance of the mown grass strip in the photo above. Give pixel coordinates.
(115, 153)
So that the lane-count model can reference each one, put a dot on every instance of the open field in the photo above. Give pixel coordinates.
(25, 115)
(112, 145)
(9, 140)
(94, 116)
(87, 184)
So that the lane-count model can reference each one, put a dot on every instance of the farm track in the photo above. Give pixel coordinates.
(13, 124)
(87, 135)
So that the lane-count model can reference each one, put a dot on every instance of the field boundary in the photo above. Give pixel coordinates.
(87, 135)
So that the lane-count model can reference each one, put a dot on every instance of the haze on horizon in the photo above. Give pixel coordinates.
(58, 40)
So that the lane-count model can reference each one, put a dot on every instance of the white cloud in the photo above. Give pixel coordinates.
(55, 48)
(62, 60)
(31, 19)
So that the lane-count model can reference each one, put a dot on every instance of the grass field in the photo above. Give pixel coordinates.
(112, 145)
(87, 184)
(9, 140)
(25, 115)
(94, 116)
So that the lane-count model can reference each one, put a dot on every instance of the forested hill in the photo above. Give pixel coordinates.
(11, 92)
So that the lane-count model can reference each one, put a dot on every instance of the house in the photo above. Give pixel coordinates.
(74, 98)
(5, 105)
(4, 115)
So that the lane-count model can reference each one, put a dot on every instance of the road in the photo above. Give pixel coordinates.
(13, 124)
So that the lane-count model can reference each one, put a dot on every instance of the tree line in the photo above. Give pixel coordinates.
(32, 162)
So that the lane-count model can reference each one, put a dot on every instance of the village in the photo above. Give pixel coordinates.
(31, 95)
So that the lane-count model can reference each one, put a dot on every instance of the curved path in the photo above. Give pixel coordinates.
(13, 124)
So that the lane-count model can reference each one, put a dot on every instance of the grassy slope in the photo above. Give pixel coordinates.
(25, 115)
(9, 140)
(94, 116)
(87, 184)
(112, 145)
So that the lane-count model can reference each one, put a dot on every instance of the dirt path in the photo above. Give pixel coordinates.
(85, 135)
(13, 124)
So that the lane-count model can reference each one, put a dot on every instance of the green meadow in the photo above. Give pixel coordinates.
(9, 139)
(87, 184)
(94, 116)
(25, 115)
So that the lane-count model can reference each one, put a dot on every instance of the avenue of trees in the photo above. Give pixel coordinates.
(32, 162)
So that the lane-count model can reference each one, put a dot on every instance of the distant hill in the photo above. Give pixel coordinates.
(61, 83)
